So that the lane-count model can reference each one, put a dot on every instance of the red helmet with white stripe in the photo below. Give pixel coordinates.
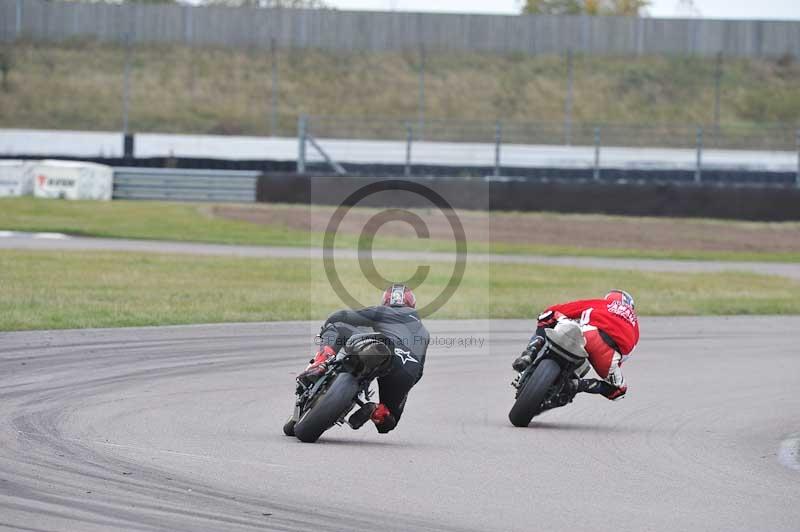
(399, 295)
(621, 296)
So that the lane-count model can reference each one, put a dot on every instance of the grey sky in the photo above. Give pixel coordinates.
(760, 9)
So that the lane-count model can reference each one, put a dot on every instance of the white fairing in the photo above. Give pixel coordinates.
(567, 335)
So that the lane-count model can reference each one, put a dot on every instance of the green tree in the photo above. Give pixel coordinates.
(629, 8)
(553, 7)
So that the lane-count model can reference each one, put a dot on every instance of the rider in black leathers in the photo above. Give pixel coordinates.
(398, 320)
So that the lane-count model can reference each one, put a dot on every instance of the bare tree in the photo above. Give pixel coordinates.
(230, 3)
(120, 1)
(686, 8)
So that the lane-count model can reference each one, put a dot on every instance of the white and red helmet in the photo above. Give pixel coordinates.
(622, 296)
(399, 295)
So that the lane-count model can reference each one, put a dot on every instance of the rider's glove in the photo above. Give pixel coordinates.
(547, 319)
(534, 346)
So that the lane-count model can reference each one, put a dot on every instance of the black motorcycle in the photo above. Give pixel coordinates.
(545, 384)
(325, 402)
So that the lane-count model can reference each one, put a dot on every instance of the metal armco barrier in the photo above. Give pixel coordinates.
(184, 185)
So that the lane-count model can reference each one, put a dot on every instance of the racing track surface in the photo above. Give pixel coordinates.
(179, 428)
(58, 241)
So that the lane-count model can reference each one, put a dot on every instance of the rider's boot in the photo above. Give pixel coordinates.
(379, 414)
(527, 357)
(383, 418)
(318, 365)
(606, 389)
(361, 416)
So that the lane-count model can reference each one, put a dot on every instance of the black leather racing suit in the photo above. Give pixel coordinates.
(410, 343)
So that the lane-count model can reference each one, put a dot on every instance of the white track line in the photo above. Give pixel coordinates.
(38, 236)
(50, 236)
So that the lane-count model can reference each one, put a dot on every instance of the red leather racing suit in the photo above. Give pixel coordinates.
(611, 330)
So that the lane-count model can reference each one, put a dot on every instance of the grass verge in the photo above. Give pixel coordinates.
(54, 290)
(149, 220)
(195, 223)
(174, 88)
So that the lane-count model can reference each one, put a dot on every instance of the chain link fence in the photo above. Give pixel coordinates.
(548, 99)
(732, 137)
(699, 153)
(264, 93)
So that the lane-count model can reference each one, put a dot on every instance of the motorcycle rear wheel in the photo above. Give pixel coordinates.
(530, 398)
(323, 415)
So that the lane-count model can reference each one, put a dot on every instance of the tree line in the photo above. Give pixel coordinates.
(532, 7)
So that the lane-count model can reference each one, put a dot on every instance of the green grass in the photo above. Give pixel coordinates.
(53, 290)
(149, 220)
(195, 223)
(78, 85)
(627, 253)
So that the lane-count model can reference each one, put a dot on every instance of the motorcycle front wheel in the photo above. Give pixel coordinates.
(337, 399)
(533, 392)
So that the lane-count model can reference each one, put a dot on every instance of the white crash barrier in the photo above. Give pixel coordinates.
(16, 178)
(72, 180)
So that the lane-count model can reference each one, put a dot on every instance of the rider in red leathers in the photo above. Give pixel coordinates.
(611, 330)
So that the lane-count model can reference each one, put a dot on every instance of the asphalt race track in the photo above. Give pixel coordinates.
(58, 241)
(179, 428)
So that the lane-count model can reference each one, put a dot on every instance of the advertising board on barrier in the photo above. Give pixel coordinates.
(72, 180)
(15, 178)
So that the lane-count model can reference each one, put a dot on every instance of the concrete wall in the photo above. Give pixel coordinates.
(375, 31)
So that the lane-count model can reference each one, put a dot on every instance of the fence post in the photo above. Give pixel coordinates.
(421, 102)
(127, 146)
(698, 171)
(274, 110)
(498, 141)
(126, 89)
(409, 140)
(18, 20)
(596, 173)
(717, 93)
(568, 102)
(302, 126)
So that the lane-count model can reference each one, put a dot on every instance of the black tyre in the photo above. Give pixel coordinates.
(328, 408)
(533, 392)
(288, 427)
